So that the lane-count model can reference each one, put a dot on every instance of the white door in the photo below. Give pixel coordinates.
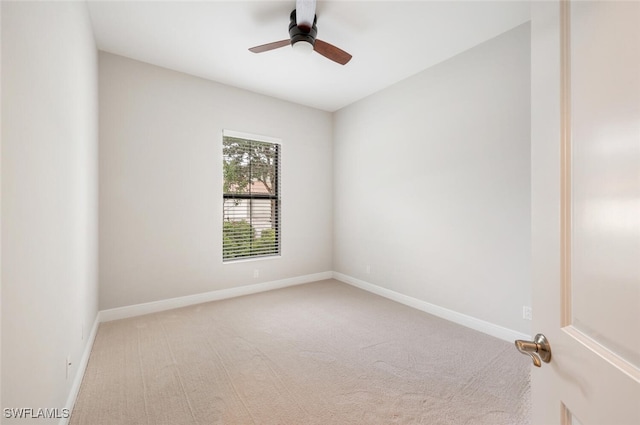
(586, 210)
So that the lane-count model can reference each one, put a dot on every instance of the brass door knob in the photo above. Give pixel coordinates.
(538, 349)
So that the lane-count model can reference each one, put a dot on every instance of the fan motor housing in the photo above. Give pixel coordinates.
(302, 33)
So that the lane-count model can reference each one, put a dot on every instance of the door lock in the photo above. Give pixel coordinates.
(538, 349)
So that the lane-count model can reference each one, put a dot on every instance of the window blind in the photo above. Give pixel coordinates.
(251, 197)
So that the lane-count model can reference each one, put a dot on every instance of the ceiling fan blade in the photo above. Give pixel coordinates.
(270, 46)
(305, 13)
(330, 51)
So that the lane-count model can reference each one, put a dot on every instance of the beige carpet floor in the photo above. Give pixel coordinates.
(321, 353)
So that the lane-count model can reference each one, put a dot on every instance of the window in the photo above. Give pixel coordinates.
(251, 196)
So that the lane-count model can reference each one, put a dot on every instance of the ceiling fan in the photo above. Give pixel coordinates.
(302, 35)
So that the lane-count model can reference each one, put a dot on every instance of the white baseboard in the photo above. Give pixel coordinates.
(162, 305)
(82, 367)
(453, 316)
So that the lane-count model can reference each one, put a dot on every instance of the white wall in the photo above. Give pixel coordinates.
(0, 204)
(161, 183)
(432, 186)
(49, 199)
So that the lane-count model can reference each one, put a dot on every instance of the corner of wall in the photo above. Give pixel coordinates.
(51, 292)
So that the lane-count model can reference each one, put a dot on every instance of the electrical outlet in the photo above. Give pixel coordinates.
(368, 268)
(256, 273)
(527, 312)
(68, 366)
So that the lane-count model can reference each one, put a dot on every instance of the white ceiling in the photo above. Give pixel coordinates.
(389, 41)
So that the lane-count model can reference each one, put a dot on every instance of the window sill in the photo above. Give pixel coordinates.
(252, 259)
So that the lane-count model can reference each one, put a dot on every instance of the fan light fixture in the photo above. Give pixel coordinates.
(303, 47)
